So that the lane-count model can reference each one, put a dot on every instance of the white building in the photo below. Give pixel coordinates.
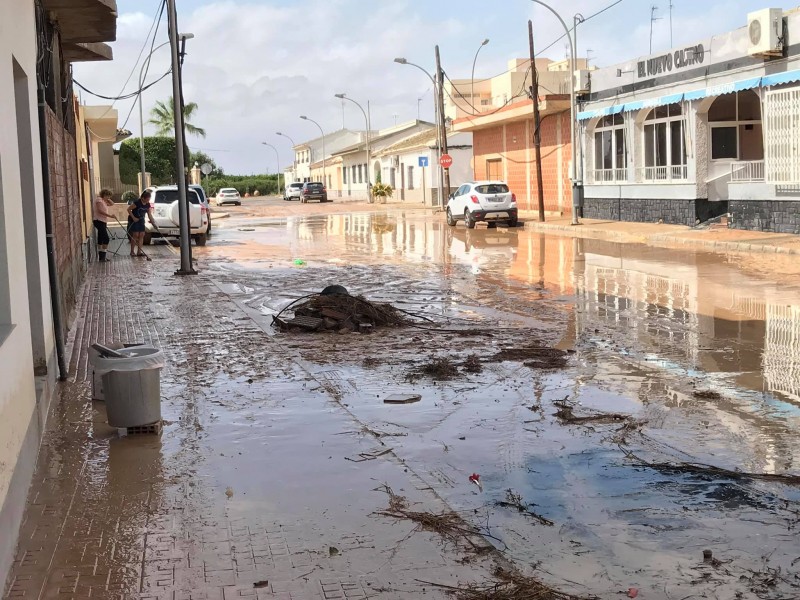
(28, 346)
(310, 152)
(354, 173)
(411, 165)
(700, 131)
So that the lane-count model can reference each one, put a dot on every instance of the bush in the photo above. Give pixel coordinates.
(247, 184)
(160, 160)
(129, 196)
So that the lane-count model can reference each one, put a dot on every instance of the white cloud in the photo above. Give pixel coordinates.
(254, 67)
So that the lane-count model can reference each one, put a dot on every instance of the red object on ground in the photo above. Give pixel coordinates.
(475, 478)
(446, 161)
(633, 592)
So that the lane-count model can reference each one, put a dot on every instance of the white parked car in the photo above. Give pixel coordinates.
(228, 196)
(164, 201)
(489, 201)
(293, 191)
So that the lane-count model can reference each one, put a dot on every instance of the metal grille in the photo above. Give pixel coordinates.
(782, 133)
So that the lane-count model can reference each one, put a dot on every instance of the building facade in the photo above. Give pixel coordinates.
(700, 131)
(313, 151)
(39, 205)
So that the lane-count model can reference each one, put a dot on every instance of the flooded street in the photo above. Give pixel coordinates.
(625, 408)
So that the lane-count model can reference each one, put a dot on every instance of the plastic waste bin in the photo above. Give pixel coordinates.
(132, 386)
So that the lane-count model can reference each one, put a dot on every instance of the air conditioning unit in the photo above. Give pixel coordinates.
(765, 29)
(583, 81)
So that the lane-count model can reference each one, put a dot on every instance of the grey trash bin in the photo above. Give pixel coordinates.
(132, 386)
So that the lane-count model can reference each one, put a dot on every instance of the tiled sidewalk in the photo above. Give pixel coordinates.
(245, 494)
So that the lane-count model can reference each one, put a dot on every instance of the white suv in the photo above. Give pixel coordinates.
(293, 191)
(166, 214)
(229, 196)
(489, 201)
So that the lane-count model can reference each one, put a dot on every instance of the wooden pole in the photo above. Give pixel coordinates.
(537, 123)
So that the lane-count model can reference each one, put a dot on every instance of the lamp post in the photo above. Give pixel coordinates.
(294, 160)
(368, 125)
(277, 158)
(324, 176)
(183, 37)
(576, 183)
(474, 62)
(439, 120)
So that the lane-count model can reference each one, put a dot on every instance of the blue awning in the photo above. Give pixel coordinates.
(779, 78)
(600, 112)
(652, 102)
(724, 88)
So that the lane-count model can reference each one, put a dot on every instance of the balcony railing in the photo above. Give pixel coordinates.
(665, 173)
(609, 175)
(747, 171)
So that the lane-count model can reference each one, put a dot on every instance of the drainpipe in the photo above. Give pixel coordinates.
(55, 288)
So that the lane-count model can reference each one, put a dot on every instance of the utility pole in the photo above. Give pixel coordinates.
(537, 122)
(671, 6)
(186, 267)
(442, 124)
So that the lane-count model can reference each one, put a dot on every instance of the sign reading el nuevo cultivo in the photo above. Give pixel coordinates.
(680, 59)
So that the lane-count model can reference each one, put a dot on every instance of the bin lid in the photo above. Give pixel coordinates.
(137, 358)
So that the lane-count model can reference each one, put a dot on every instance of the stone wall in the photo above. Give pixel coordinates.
(778, 216)
(673, 212)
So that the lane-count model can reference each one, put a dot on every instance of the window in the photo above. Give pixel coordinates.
(344, 175)
(355, 179)
(781, 109)
(736, 132)
(494, 169)
(410, 177)
(610, 150)
(664, 144)
(496, 188)
(360, 174)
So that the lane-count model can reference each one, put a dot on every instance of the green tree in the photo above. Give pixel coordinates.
(163, 117)
(200, 158)
(159, 155)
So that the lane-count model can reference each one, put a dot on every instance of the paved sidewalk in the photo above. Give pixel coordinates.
(670, 236)
(245, 494)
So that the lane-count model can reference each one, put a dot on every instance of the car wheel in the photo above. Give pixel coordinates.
(148, 239)
(208, 231)
(492, 225)
(200, 239)
(513, 222)
(450, 219)
(468, 219)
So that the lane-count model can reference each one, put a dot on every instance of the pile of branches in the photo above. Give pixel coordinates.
(339, 312)
(508, 585)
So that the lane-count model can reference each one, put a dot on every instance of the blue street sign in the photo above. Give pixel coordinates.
(423, 161)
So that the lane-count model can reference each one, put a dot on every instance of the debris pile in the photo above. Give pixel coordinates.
(535, 357)
(336, 310)
(507, 585)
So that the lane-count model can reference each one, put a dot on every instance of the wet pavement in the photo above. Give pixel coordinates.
(277, 447)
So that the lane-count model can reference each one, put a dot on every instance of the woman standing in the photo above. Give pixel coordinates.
(101, 216)
(137, 212)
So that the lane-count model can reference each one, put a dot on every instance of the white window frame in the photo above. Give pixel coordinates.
(679, 172)
(781, 125)
(616, 173)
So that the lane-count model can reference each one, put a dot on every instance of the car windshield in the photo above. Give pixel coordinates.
(296, 186)
(228, 191)
(314, 186)
(492, 188)
(170, 196)
(200, 192)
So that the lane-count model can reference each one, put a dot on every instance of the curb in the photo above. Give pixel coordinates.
(661, 239)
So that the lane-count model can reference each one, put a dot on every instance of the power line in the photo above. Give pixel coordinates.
(126, 96)
(554, 42)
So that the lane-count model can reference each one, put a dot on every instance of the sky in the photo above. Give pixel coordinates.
(255, 66)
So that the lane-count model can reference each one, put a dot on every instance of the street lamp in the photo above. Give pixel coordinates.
(576, 184)
(183, 37)
(278, 158)
(324, 176)
(475, 60)
(368, 125)
(294, 161)
(438, 118)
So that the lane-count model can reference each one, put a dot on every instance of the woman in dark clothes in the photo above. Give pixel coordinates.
(137, 212)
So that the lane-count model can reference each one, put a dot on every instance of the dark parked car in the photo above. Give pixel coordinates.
(314, 190)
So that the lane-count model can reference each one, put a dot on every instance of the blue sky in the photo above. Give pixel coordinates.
(255, 66)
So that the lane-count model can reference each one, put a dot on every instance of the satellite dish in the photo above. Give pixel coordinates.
(206, 168)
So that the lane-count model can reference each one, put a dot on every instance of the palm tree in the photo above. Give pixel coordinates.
(163, 117)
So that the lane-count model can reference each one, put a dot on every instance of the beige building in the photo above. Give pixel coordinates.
(465, 97)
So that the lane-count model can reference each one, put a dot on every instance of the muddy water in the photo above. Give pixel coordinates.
(702, 350)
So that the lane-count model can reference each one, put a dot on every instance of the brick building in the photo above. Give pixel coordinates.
(503, 149)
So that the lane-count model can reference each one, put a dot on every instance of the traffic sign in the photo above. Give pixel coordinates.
(423, 161)
(206, 168)
(446, 161)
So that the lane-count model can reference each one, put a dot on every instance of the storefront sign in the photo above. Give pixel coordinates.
(667, 63)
